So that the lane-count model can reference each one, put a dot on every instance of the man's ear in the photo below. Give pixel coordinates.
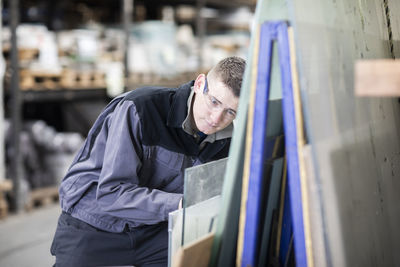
(199, 83)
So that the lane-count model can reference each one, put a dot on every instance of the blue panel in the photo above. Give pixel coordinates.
(289, 122)
(271, 31)
(257, 151)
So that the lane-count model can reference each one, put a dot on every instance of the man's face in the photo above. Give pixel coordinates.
(213, 108)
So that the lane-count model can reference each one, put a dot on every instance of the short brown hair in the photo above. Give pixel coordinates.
(230, 71)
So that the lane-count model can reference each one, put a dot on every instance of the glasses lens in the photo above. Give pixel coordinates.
(214, 105)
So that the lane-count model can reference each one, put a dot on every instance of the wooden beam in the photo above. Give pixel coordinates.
(379, 78)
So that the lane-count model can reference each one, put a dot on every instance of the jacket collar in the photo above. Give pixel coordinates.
(179, 110)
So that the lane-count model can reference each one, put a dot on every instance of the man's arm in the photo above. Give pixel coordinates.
(118, 190)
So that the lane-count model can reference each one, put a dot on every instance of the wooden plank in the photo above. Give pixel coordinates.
(301, 140)
(380, 77)
(318, 245)
(196, 254)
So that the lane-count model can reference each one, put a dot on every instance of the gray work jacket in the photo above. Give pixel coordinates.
(129, 171)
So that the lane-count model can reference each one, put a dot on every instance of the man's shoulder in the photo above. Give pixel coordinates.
(156, 108)
(151, 93)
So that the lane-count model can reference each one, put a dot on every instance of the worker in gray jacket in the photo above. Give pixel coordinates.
(128, 175)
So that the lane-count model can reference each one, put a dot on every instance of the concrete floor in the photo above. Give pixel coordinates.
(25, 238)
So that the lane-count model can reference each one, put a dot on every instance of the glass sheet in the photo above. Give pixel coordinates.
(355, 148)
(202, 189)
(200, 219)
(175, 220)
(197, 220)
(394, 11)
(203, 182)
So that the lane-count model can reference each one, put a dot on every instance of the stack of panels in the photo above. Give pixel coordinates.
(352, 156)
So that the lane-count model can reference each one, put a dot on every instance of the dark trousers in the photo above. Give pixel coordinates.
(77, 243)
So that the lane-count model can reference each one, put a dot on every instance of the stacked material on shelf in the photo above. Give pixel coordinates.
(37, 47)
(153, 48)
(46, 153)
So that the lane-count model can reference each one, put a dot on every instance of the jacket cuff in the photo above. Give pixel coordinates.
(172, 204)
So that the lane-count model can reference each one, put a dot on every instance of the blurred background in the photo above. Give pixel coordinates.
(62, 62)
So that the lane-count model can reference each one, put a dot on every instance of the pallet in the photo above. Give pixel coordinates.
(42, 197)
(39, 80)
(137, 79)
(67, 79)
(5, 186)
(24, 54)
(28, 53)
(82, 79)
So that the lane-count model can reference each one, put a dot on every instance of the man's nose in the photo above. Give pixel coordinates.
(217, 116)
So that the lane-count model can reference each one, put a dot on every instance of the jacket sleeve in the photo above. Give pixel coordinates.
(118, 192)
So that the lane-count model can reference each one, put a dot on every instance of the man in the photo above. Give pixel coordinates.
(128, 175)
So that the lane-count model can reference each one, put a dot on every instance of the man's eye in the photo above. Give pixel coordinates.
(214, 101)
(231, 113)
